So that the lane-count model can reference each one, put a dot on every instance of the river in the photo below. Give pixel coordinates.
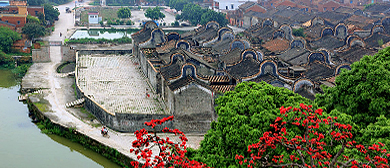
(23, 145)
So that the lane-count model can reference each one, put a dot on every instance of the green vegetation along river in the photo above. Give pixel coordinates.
(23, 145)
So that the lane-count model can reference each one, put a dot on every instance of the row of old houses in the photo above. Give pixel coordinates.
(14, 14)
(190, 70)
(294, 14)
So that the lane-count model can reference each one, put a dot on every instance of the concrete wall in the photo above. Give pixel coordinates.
(152, 76)
(41, 55)
(193, 109)
(68, 54)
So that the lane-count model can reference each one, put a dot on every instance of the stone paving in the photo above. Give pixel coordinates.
(116, 83)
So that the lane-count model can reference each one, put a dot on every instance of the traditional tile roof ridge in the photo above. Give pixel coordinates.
(247, 68)
(372, 40)
(222, 88)
(318, 70)
(246, 5)
(186, 81)
(231, 57)
(216, 78)
(328, 42)
(353, 54)
(141, 36)
(222, 46)
(277, 45)
(166, 47)
(294, 56)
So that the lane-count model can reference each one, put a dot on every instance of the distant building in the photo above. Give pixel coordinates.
(4, 3)
(93, 17)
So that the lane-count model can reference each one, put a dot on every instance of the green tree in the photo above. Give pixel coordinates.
(243, 115)
(192, 13)
(298, 32)
(178, 4)
(154, 13)
(51, 13)
(124, 13)
(32, 19)
(7, 38)
(35, 2)
(33, 30)
(211, 15)
(41, 18)
(362, 92)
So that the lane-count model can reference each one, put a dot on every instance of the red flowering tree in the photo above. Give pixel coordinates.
(170, 153)
(316, 141)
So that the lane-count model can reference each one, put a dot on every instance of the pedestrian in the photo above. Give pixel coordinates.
(147, 94)
(60, 34)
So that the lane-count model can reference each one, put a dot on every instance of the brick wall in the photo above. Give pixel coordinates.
(17, 20)
(68, 54)
(41, 55)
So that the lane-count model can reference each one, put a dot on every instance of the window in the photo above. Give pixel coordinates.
(18, 22)
(333, 8)
(324, 9)
(36, 12)
(351, 1)
(91, 16)
(307, 9)
(6, 21)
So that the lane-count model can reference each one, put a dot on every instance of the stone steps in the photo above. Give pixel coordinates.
(73, 103)
(25, 96)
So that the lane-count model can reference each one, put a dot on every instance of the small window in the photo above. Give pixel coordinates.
(351, 1)
(333, 8)
(18, 22)
(6, 21)
(324, 9)
(91, 16)
(307, 9)
(36, 12)
(0, 20)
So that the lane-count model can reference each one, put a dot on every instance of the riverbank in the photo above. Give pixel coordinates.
(48, 127)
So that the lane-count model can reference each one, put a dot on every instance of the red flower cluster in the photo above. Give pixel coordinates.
(309, 147)
(171, 154)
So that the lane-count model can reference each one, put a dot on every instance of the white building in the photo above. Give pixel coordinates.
(93, 17)
(229, 4)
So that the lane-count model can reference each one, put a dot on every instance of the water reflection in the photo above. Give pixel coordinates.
(7, 79)
(98, 34)
(23, 145)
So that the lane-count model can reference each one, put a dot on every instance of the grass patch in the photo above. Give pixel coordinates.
(106, 13)
(84, 111)
(42, 107)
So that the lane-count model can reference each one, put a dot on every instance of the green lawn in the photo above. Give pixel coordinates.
(105, 13)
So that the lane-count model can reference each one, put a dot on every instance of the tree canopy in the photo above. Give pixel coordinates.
(41, 2)
(51, 13)
(197, 15)
(124, 12)
(7, 38)
(362, 92)
(243, 115)
(33, 30)
(154, 13)
(178, 4)
(323, 142)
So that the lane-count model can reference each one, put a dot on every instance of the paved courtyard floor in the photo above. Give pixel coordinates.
(117, 84)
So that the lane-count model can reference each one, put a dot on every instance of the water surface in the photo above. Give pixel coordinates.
(23, 145)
